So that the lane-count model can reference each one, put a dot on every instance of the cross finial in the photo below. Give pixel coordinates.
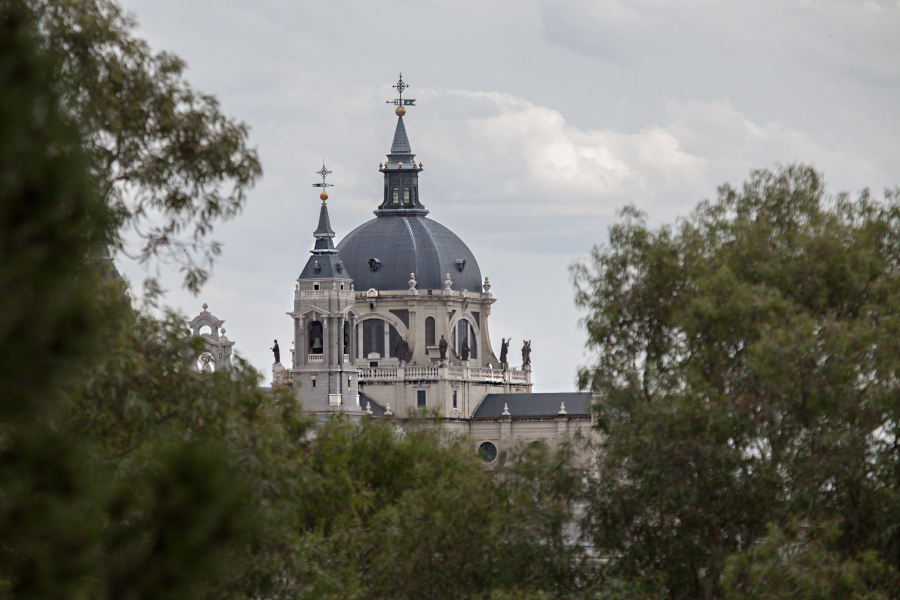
(401, 86)
(323, 174)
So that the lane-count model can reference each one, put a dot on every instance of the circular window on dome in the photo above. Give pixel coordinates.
(488, 452)
(374, 264)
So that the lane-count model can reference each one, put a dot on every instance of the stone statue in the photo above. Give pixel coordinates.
(276, 351)
(526, 353)
(464, 350)
(401, 350)
(442, 346)
(504, 349)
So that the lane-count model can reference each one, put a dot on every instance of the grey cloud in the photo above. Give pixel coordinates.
(535, 121)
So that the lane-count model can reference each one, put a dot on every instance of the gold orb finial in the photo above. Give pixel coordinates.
(400, 111)
(323, 196)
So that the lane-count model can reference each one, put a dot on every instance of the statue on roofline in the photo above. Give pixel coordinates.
(276, 351)
(504, 349)
(401, 350)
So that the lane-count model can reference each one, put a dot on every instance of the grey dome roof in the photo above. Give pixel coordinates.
(405, 244)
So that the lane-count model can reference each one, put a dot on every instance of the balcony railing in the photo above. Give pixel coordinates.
(451, 373)
(518, 376)
(324, 293)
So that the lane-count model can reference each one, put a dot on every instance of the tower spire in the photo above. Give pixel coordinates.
(324, 234)
(324, 262)
(401, 173)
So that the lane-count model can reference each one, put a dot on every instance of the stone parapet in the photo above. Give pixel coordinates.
(436, 373)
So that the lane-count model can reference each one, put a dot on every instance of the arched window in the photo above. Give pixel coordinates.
(373, 337)
(405, 194)
(316, 345)
(348, 343)
(429, 332)
(395, 195)
(465, 332)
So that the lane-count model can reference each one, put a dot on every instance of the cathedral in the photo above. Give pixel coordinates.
(394, 321)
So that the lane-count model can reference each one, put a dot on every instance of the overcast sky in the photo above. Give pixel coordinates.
(536, 121)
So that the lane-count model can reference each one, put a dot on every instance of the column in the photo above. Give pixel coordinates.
(341, 324)
(302, 346)
(351, 323)
(297, 347)
(387, 340)
(359, 341)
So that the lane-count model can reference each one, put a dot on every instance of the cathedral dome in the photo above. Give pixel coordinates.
(381, 254)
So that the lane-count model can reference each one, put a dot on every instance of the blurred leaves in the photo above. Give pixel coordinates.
(796, 563)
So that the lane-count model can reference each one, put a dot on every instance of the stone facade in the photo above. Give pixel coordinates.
(375, 351)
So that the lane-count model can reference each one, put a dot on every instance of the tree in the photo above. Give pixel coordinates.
(747, 362)
(68, 526)
(411, 513)
(168, 161)
(798, 564)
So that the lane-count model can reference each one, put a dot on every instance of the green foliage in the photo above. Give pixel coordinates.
(798, 564)
(52, 221)
(170, 163)
(410, 513)
(747, 360)
(69, 528)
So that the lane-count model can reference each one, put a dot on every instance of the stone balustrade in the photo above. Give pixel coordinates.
(482, 374)
(315, 357)
(519, 376)
(378, 374)
(421, 372)
(452, 373)
(324, 293)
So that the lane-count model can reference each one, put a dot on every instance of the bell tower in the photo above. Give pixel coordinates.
(323, 368)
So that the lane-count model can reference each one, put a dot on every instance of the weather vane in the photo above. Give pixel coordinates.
(323, 174)
(400, 86)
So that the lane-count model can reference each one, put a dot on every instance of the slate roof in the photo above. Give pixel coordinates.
(407, 244)
(329, 266)
(401, 140)
(534, 405)
(324, 262)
